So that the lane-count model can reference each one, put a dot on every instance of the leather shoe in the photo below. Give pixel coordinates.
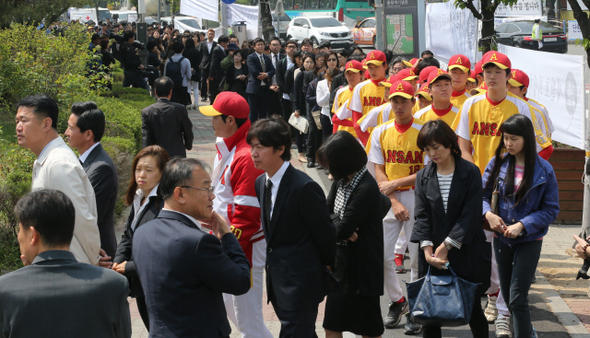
(311, 164)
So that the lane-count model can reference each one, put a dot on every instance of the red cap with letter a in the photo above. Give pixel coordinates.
(228, 103)
(401, 88)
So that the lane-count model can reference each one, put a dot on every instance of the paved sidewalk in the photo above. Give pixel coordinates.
(559, 304)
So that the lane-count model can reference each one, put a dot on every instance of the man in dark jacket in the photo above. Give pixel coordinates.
(131, 63)
(206, 47)
(167, 123)
(216, 73)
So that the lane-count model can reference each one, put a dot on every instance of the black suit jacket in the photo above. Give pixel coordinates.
(254, 69)
(301, 242)
(215, 70)
(205, 57)
(125, 247)
(194, 56)
(167, 124)
(462, 221)
(102, 174)
(184, 272)
(65, 299)
(359, 264)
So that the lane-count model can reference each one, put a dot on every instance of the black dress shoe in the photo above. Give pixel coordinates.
(311, 164)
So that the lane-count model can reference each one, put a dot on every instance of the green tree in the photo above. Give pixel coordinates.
(486, 15)
(583, 22)
(34, 11)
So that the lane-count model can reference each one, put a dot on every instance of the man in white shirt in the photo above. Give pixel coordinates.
(275, 93)
(285, 85)
(58, 168)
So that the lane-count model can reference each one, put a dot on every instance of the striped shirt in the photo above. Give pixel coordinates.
(444, 183)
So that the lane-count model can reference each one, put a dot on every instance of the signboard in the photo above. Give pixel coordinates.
(559, 86)
(522, 8)
(450, 31)
(573, 30)
(400, 33)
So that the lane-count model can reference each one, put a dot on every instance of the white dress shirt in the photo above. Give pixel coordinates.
(276, 58)
(276, 181)
(138, 207)
(322, 97)
(187, 216)
(84, 156)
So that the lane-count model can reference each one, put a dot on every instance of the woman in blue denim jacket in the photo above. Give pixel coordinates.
(528, 202)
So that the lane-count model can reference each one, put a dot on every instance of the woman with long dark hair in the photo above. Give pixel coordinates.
(194, 56)
(146, 203)
(237, 73)
(528, 201)
(357, 208)
(299, 103)
(448, 224)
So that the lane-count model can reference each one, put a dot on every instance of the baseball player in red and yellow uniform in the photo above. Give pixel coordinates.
(423, 97)
(460, 70)
(342, 118)
(234, 177)
(440, 87)
(392, 148)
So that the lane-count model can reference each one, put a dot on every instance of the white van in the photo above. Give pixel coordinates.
(126, 16)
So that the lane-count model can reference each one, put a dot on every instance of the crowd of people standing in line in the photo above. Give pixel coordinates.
(455, 159)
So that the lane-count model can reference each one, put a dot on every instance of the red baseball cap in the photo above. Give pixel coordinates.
(410, 63)
(425, 72)
(353, 66)
(459, 61)
(424, 92)
(228, 103)
(478, 69)
(376, 57)
(483, 87)
(497, 59)
(471, 77)
(518, 78)
(364, 63)
(401, 88)
(367, 75)
(439, 73)
(406, 75)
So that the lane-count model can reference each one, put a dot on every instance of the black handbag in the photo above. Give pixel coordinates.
(444, 300)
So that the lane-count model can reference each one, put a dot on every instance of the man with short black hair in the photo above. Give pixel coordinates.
(63, 297)
(426, 54)
(301, 238)
(275, 90)
(131, 62)
(56, 167)
(85, 130)
(166, 123)
(307, 45)
(206, 48)
(325, 47)
(285, 87)
(183, 269)
(178, 69)
(260, 70)
(217, 74)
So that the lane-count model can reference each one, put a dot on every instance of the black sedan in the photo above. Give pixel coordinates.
(519, 34)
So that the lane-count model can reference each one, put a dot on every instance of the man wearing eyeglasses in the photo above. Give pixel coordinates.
(234, 176)
(183, 269)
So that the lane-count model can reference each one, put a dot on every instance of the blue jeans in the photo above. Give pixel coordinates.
(516, 267)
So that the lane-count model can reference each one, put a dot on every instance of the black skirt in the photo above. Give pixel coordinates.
(358, 314)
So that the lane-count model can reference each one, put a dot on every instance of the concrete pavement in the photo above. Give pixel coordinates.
(559, 305)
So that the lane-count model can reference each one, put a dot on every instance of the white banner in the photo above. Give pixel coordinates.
(569, 8)
(573, 30)
(450, 31)
(205, 9)
(522, 8)
(249, 14)
(559, 86)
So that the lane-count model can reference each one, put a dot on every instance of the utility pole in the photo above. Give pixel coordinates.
(380, 23)
(224, 24)
(159, 11)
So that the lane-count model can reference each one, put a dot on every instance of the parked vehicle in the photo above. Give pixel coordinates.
(126, 15)
(320, 29)
(348, 11)
(188, 23)
(88, 14)
(365, 32)
(282, 25)
(518, 34)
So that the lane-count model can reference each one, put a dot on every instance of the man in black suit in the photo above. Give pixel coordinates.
(54, 295)
(206, 47)
(183, 269)
(85, 130)
(275, 95)
(260, 71)
(284, 86)
(301, 239)
(216, 73)
(166, 123)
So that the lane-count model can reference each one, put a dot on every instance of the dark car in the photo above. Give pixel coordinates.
(519, 34)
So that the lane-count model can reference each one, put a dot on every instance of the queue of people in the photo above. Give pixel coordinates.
(461, 175)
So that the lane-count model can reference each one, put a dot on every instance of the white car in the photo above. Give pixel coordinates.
(319, 29)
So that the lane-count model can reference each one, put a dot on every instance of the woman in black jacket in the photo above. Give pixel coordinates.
(357, 208)
(194, 56)
(237, 73)
(298, 97)
(146, 203)
(448, 224)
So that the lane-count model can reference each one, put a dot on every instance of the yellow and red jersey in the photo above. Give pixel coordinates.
(340, 109)
(459, 98)
(479, 121)
(394, 146)
(366, 96)
(430, 114)
(375, 117)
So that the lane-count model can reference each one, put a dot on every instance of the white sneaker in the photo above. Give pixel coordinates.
(491, 312)
(503, 326)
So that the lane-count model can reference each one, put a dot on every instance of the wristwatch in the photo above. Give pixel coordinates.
(447, 245)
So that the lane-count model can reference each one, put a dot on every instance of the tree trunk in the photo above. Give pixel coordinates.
(487, 26)
(268, 31)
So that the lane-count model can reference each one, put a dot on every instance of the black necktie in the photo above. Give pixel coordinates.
(262, 64)
(276, 60)
(267, 200)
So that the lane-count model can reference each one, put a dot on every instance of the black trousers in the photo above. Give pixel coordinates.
(478, 323)
(259, 104)
(287, 106)
(213, 89)
(274, 104)
(296, 324)
(180, 95)
(314, 138)
(203, 83)
(143, 312)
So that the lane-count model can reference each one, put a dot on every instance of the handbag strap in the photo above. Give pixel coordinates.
(449, 267)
